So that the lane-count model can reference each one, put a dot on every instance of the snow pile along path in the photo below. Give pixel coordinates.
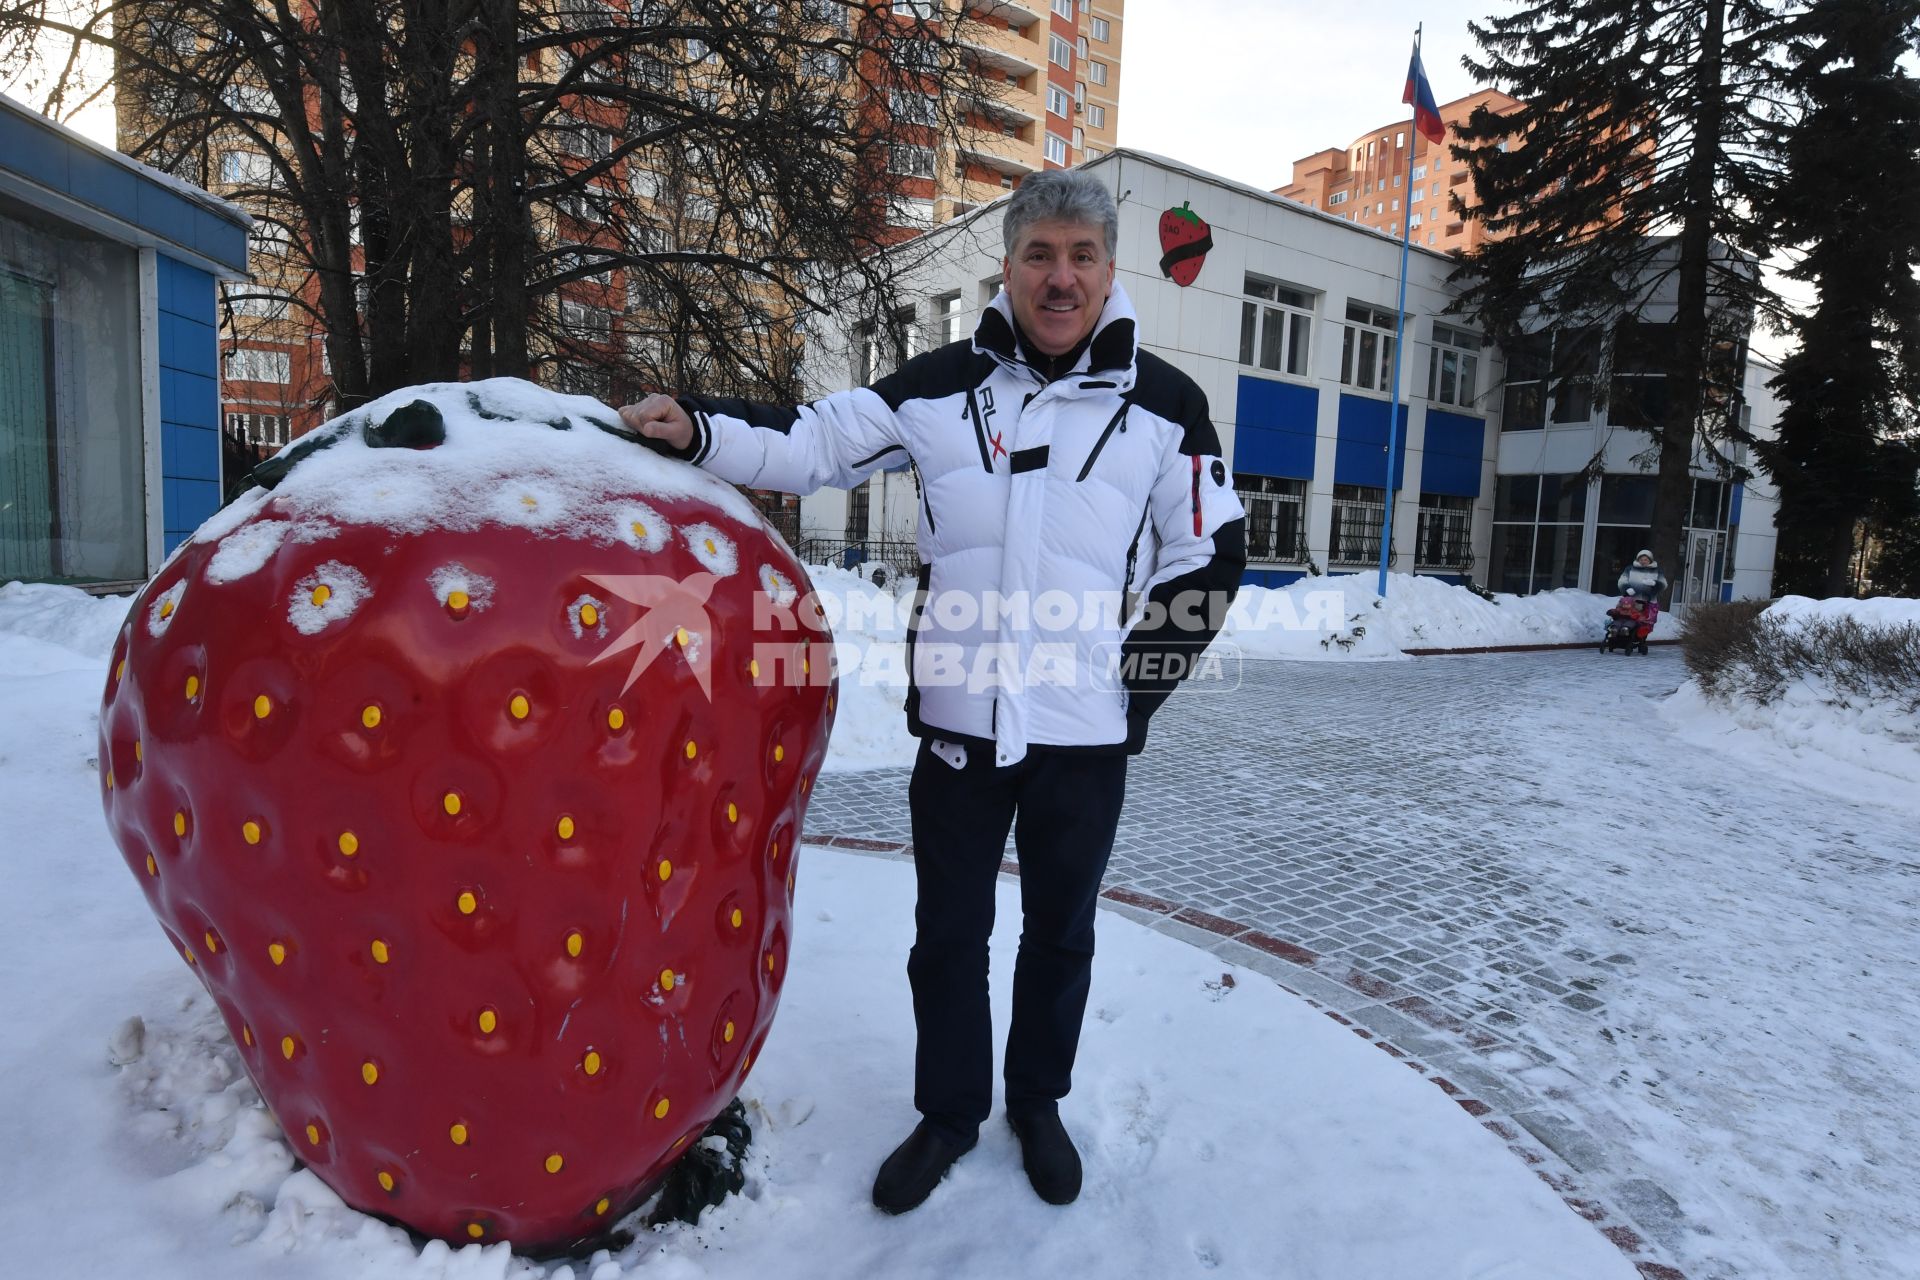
(1339, 619)
(1226, 1125)
(1833, 738)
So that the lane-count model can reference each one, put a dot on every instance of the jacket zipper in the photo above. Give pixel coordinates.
(1117, 420)
(926, 499)
(1196, 496)
(979, 430)
(1133, 558)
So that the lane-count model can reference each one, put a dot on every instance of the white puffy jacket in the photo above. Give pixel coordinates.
(1105, 483)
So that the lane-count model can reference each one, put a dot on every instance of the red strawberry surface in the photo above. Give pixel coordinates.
(1185, 239)
(479, 827)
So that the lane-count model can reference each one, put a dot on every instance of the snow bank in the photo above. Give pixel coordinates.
(1339, 619)
(1839, 739)
(1344, 617)
(51, 628)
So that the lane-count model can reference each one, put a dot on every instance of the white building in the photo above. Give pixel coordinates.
(1288, 328)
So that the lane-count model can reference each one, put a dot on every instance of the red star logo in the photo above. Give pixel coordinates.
(671, 606)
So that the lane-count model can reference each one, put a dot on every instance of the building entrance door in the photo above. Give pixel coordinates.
(1698, 582)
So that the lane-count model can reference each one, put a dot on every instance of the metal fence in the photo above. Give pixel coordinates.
(1444, 540)
(1276, 527)
(1354, 537)
(875, 559)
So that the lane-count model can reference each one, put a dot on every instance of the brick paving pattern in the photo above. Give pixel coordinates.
(1421, 849)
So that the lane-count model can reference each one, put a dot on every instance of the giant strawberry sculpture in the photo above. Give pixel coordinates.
(467, 768)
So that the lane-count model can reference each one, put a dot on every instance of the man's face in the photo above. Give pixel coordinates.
(1643, 560)
(1058, 280)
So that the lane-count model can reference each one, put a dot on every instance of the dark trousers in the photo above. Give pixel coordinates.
(1064, 809)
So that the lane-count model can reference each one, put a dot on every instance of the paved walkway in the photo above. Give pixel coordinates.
(1684, 991)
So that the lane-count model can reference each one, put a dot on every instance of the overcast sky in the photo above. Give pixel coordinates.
(1243, 88)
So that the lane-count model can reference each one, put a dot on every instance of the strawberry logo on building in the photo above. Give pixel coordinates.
(1185, 239)
(476, 810)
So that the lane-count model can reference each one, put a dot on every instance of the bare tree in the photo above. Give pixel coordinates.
(601, 194)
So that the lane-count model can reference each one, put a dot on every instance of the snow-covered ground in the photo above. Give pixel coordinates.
(1327, 619)
(1227, 1127)
(1832, 738)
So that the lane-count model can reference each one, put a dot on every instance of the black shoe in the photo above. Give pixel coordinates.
(915, 1168)
(1053, 1166)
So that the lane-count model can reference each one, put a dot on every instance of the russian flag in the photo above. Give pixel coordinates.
(1426, 113)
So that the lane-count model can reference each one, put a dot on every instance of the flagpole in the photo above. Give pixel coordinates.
(1399, 329)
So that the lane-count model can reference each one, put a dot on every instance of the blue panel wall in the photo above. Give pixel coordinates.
(1451, 462)
(97, 177)
(1360, 454)
(1733, 513)
(189, 399)
(1274, 428)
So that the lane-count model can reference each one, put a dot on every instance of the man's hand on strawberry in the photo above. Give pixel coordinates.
(660, 417)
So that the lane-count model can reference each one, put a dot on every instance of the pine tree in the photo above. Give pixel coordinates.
(1627, 181)
(1850, 198)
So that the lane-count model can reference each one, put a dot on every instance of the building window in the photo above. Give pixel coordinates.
(1419, 194)
(1637, 394)
(71, 460)
(1064, 8)
(1366, 355)
(1097, 116)
(823, 64)
(1537, 522)
(1576, 359)
(1338, 197)
(1444, 538)
(1081, 46)
(1058, 104)
(260, 428)
(1056, 149)
(261, 303)
(1080, 91)
(1524, 398)
(989, 290)
(1097, 72)
(1059, 52)
(249, 364)
(1413, 221)
(1079, 137)
(249, 168)
(859, 503)
(1419, 172)
(586, 324)
(1275, 330)
(905, 212)
(912, 162)
(914, 108)
(1354, 536)
(1101, 31)
(948, 325)
(1093, 153)
(1276, 517)
(1453, 372)
(1399, 140)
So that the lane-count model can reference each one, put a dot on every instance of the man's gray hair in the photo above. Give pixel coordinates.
(1067, 195)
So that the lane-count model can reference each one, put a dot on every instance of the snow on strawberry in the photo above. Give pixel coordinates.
(453, 766)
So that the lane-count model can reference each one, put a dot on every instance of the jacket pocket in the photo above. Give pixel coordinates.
(1119, 420)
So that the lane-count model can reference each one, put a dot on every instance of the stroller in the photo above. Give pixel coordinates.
(1629, 623)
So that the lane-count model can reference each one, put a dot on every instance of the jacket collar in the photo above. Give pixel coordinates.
(1108, 363)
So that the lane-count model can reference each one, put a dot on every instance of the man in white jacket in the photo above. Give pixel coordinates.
(1058, 462)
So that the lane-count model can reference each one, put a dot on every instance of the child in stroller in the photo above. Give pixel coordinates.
(1630, 622)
